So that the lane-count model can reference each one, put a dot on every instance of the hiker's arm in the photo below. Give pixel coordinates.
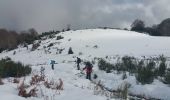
(84, 68)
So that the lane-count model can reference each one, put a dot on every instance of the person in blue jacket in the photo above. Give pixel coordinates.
(52, 64)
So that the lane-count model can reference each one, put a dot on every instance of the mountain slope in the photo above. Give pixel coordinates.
(88, 44)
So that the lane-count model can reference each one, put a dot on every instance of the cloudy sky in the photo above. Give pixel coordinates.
(44, 15)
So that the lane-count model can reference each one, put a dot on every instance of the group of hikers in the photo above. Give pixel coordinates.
(88, 67)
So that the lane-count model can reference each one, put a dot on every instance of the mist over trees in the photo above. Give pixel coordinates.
(138, 25)
(162, 29)
(11, 39)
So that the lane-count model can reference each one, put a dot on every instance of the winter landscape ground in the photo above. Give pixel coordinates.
(87, 44)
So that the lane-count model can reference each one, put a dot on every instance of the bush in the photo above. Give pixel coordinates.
(145, 70)
(124, 76)
(167, 78)
(9, 68)
(59, 37)
(129, 64)
(51, 44)
(103, 65)
(123, 90)
(162, 69)
(145, 75)
(70, 51)
(162, 66)
(95, 76)
(35, 46)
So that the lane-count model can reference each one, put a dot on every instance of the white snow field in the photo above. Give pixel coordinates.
(88, 44)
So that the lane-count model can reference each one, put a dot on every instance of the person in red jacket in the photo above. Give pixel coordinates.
(88, 69)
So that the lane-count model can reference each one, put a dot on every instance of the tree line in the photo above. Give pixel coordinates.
(11, 39)
(162, 29)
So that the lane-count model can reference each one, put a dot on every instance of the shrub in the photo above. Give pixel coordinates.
(9, 68)
(95, 76)
(124, 76)
(162, 69)
(51, 44)
(35, 46)
(14, 52)
(123, 89)
(103, 65)
(54, 85)
(145, 75)
(59, 37)
(119, 67)
(51, 36)
(129, 64)
(167, 78)
(70, 51)
(162, 66)
(95, 46)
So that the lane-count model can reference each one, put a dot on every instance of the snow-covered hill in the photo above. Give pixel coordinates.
(88, 44)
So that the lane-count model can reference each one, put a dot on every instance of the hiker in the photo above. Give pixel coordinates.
(88, 69)
(52, 64)
(78, 63)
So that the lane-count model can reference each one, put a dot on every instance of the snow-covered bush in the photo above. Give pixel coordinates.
(14, 52)
(103, 65)
(50, 45)
(51, 36)
(95, 76)
(167, 78)
(145, 75)
(9, 68)
(23, 90)
(54, 85)
(124, 76)
(123, 90)
(36, 79)
(70, 51)
(129, 64)
(162, 66)
(15, 80)
(59, 37)
(35, 46)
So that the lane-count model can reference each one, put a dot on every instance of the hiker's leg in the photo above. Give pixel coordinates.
(78, 66)
(86, 76)
(89, 76)
(52, 66)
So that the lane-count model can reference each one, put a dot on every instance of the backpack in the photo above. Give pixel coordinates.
(89, 69)
(52, 62)
(78, 60)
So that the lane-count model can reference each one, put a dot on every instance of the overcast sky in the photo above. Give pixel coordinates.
(44, 15)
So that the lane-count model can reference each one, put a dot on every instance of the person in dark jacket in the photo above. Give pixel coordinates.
(88, 69)
(78, 63)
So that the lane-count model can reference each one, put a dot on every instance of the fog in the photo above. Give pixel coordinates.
(45, 15)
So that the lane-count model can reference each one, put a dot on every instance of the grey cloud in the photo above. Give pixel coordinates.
(45, 15)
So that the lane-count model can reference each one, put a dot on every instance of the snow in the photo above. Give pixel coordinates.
(110, 42)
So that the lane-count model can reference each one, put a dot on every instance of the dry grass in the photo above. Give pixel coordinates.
(36, 79)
